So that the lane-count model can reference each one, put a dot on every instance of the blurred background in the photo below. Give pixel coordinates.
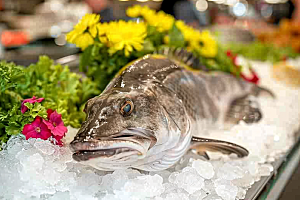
(31, 28)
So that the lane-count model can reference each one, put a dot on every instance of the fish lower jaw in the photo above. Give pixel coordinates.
(109, 149)
(104, 153)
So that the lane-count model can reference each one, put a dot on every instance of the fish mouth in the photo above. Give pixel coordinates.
(125, 143)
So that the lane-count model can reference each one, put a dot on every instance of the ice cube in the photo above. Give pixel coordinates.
(246, 181)
(120, 178)
(51, 176)
(209, 187)
(204, 168)
(189, 180)
(230, 172)
(132, 173)
(44, 146)
(265, 170)
(164, 174)
(144, 186)
(34, 161)
(252, 167)
(87, 180)
(225, 189)
(108, 182)
(172, 177)
(169, 187)
(78, 196)
(110, 197)
(60, 196)
(241, 193)
(177, 196)
(198, 195)
(212, 197)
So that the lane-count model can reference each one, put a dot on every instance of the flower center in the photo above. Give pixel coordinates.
(54, 124)
(38, 129)
(201, 43)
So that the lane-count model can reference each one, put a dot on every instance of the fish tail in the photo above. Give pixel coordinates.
(183, 57)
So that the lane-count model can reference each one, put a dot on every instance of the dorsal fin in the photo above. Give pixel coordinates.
(183, 57)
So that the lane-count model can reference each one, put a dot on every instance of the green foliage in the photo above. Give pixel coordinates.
(176, 37)
(262, 52)
(155, 37)
(63, 91)
(219, 63)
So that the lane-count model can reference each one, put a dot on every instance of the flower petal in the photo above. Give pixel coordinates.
(27, 129)
(60, 131)
(37, 121)
(23, 108)
(49, 112)
(32, 134)
(45, 132)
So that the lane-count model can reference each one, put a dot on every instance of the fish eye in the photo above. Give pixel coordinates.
(127, 108)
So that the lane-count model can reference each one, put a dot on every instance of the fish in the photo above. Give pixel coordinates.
(155, 108)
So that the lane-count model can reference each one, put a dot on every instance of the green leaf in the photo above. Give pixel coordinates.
(176, 37)
(85, 58)
(148, 46)
(261, 51)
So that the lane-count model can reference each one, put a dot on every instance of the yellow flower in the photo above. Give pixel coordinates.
(125, 36)
(134, 11)
(162, 21)
(145, 11)
(206, 45)
(84, 40)
(188, 32)
(166, 39)
(103, 28)
(83, 33)
(202, 42)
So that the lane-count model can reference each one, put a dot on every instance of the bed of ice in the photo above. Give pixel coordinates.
(36, 169)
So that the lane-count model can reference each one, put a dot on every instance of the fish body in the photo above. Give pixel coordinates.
(148, 114)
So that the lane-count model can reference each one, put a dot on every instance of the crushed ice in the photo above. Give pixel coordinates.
(36, 169)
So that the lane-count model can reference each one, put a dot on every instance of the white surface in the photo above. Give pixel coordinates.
(38, 169)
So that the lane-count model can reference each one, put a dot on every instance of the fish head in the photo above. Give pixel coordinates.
(120, 129)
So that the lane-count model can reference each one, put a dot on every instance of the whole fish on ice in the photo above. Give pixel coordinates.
(148, 115)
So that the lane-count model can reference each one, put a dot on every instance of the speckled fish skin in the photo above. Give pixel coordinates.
(170, 105)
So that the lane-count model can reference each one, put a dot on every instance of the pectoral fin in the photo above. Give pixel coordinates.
(243, 109)
(201, 145)
(259, 91)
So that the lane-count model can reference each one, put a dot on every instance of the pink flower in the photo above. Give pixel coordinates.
(229, 53)
(253, 79)
(37, 129)
(58, 140)
(32, 100)
(55, 123)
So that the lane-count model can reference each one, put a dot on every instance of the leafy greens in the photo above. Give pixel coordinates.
(63, 91)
